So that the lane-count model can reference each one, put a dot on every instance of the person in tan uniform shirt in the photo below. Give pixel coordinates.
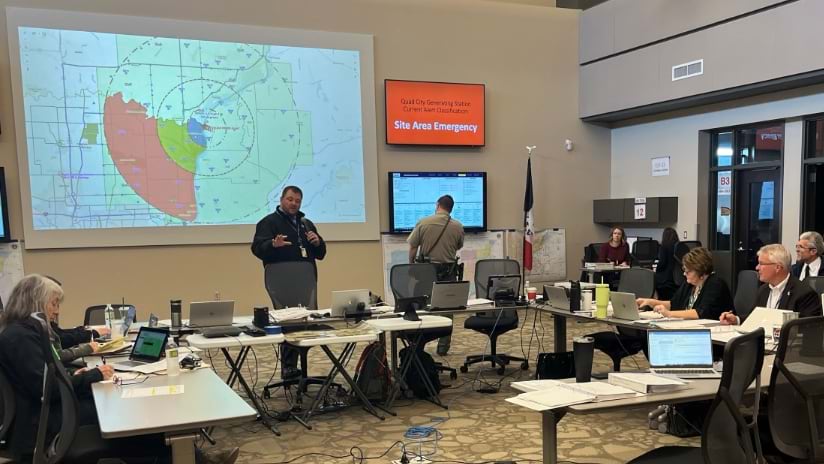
(437, 238)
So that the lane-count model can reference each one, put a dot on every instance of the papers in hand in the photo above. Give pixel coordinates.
(551, 394)
(645, 383)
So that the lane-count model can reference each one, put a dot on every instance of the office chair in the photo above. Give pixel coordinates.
(590, 256)
(411, 280)
(816, 283)
(644, 253)
(795, 400)
(96, 315)
(627, 342)
(75, 443)
(745, 292)
(492, 324)
(726, 436)
(289, 284)
(7, 413)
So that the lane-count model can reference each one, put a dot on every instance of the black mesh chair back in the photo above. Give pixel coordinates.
(639, 281)
(7, 403)
(682, 248)
(56, 381)
(411, 280)
(745, 293)
(292, 283)
(817, 283)
(489, 267)
(727, 437)
(591, 252)
(795, 404)
(644, 252)
(96, 315)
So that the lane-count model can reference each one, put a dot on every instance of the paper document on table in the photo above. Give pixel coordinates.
(602, 391)
(150, 368)
(152, 391)
(551, 398)
(671, 324)
(645, 382)
(478, 301)
(289, 314)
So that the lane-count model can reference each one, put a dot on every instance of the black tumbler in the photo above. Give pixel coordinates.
(177, 313)
(582, 350)
(261, 316)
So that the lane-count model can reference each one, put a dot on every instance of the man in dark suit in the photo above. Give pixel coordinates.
(809, 253)
(781, 290)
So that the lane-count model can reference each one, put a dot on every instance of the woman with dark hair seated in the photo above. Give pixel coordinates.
(22, 360)
(664, 278)
(702, 296)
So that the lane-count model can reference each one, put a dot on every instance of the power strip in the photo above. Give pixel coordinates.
(416, 460)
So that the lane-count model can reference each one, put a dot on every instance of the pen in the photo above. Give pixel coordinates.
(104, 360)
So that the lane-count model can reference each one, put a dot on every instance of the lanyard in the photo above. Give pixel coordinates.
(292, 225)
(693, 297)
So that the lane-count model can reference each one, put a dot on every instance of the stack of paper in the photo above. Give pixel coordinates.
(675, 324)
(645, 383)
(602, 391)
(551, 398)
(113, 346)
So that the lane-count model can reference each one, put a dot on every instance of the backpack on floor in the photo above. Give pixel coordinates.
(413, 379)
(372, 374)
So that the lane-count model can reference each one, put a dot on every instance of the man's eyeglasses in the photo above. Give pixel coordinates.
(124, 383)
(799, 248)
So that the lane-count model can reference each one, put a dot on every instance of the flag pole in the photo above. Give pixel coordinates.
(528, 200)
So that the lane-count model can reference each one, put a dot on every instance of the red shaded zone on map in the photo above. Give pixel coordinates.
(135, 148)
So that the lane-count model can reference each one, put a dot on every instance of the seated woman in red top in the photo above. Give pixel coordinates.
(616, 250)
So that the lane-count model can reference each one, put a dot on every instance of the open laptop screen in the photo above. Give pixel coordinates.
(680, 348)
(149, 344)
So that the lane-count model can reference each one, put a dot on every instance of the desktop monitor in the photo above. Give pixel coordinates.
(5, 233)
(412, 196)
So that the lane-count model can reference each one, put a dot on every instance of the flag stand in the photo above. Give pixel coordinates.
(528, 227)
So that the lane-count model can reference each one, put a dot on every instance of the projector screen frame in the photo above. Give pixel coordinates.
(369, 230)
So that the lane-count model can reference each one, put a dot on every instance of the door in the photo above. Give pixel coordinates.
(758, 214)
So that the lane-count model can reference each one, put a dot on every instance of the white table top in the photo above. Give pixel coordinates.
(207, 401)
(324, 339)
(199, 341)
(399, 324)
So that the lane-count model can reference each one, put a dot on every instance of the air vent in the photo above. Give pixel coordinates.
(691, 69)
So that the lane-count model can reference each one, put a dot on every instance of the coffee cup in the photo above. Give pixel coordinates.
(531, 293)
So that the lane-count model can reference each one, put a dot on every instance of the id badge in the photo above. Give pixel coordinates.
(303, 252)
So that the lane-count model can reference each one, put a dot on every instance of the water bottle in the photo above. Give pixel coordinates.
(177, 310)
(108, 314)
(172, 361)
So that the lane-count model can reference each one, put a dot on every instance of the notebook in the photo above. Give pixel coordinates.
(147, 348)
(686, 354)
(211, 313)
(449, 295)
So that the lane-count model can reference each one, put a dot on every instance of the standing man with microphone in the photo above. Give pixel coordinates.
(286, 235)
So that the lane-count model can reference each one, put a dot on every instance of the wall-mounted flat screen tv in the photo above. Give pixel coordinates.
(434, 113)
(412, 196)
(5, 232)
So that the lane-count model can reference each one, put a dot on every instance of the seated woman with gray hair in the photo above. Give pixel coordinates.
(703, 295)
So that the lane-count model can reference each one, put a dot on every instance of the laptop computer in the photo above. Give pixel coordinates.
(211, 313)
(686, 354)
(624, 307)
(763, 317)
(344, 301)
(557, 297)
(131, 315)
(449, 295)
(148, 348)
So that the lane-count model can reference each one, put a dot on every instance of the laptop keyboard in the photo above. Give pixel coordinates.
(685, 371)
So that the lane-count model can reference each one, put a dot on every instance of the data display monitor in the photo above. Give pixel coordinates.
(412, 196)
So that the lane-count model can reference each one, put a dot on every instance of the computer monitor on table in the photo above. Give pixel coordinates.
(347, 301)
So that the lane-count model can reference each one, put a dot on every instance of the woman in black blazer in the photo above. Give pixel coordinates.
(703, 296)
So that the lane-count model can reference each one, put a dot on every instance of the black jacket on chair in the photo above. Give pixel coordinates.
(797, 296)
(713, 300)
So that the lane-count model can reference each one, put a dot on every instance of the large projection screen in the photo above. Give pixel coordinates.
(145, 131)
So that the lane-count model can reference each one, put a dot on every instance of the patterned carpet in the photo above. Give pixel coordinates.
(477, 427)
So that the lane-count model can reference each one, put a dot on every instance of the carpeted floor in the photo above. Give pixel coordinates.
(477, 427)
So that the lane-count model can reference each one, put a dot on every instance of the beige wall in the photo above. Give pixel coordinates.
(527, 57)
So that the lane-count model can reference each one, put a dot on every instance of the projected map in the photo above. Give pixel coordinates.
(137, 131)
